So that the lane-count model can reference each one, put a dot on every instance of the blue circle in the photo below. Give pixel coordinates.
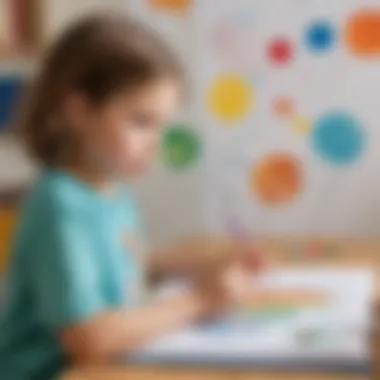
(338, 138)
(320, 36)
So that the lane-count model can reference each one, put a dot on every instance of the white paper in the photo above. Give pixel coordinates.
(344, 323)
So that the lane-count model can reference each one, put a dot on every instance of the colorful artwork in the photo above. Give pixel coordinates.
(267, 308)
(320, 36)
(285, 301)
(310, 314)
(283, 107)
(296, 78)
(230, 98)
(277, 179)
(296, 115)
(362, 33)
(301, 125)
(181, 147)
(338, 137)
(280, 51)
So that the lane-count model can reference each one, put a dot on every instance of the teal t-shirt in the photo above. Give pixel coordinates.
(70, 261)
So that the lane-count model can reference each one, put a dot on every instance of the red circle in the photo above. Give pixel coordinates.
(280, 51)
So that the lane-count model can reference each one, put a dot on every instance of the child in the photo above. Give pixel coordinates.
(92, 120)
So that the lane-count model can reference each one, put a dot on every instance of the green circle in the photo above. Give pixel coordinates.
(181, 147)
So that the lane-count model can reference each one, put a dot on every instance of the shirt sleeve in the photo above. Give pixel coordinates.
(139, 226)
(132, 208)
(65, 271)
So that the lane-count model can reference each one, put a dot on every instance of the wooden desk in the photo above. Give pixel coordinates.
(286, 252)
(192, 374)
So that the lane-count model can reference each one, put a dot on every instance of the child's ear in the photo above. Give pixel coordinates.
(77, 111)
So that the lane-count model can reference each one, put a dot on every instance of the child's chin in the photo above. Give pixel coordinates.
(138, 171)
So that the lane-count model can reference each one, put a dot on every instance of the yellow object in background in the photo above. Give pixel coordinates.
(230, 98)
(301, 125)
(7, 224)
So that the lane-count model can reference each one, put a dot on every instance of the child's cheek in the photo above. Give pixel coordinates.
(118, 146)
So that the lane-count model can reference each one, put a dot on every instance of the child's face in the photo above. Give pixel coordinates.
(123, 135)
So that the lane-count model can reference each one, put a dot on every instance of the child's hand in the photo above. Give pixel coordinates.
(225, 286)
(252, 259)
(236, 282)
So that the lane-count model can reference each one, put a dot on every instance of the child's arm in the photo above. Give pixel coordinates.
(110, 334)
(113, 333)
(66, 281)
(195, 260)
(169, 264)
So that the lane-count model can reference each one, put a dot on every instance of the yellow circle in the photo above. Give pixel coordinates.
(230, 98)
(301, 125)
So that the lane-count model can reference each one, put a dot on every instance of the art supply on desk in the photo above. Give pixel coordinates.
(243, 238)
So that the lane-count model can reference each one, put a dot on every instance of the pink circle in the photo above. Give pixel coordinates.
(280, 51)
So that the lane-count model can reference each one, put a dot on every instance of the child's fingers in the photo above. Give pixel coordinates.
(253, 260)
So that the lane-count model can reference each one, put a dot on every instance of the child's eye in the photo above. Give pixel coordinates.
(142, 121)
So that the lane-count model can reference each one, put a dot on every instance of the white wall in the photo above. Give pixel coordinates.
(58, 13)
(171, 201)
(335, 200)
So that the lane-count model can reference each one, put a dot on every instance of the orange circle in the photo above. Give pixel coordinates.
(362, 33)
(172, 6)
(283, 107)
(277, 178)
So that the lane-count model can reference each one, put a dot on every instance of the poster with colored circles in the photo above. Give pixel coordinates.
(181, 147)
(289, 106)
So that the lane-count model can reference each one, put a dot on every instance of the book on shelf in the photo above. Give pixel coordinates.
(6, 25)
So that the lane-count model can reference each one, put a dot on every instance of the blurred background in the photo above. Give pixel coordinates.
(279, 134)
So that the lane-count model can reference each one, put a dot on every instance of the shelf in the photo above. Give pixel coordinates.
(13, 55)
(22, 32)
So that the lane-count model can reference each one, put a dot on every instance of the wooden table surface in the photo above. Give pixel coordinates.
(280, 252)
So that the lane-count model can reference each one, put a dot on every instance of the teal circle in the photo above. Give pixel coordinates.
(181, 147)
(338, 137)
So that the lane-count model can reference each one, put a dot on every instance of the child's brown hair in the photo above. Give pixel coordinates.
(98, 56)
